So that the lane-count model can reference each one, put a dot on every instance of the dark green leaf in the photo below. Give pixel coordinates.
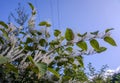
(29, 40)
(80, 60)
(82, 45)
(94, 43)
(95, 33)
(107, 30)
(3, 24)
(11, 68)
(69, 35)
(31, 6)
(82, 35)
(1, 40)
(110, 41)
(3, 59)
(57, 33)
(54, 72)
(42, 42)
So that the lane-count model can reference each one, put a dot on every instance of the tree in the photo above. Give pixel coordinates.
(31, 55)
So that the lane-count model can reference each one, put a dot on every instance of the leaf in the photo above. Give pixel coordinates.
(3, 59)
(101, 49)
(94, 43)
(110, 41)
(31, 59)
(95, 33)
(70, 49)
(11, 67)
(107, 30)
(44, 23)
(31, 6)
(1, 40)
(69, 35)
(82, 35)
(80, 60)
(53, 71)
(82, 45)
(42, 42)
(42, 67)
(29, 40)
(57, 33)
(3, 24)
(5, 34)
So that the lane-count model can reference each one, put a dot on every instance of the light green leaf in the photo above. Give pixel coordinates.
(69, 35)
(31, 59)
(107, 30)
(3, 24)
(42, 67)
(101, 49)
(31, 6)
(57, 33)
(94, 43)
(110, 41)
(82, 45)
(54, 72)
(3, 59)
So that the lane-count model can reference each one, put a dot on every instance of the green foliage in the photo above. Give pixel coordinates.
(3, 59)
(69, 35)
(3, 24)
(29, 56)
(82, 45)
(110, 41)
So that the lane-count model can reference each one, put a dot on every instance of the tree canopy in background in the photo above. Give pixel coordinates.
(30, 54)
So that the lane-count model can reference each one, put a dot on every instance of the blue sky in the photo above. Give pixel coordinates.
(81, 16)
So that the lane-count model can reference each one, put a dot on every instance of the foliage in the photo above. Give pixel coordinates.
(30, 55)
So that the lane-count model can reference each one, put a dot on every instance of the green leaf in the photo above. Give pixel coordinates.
(107, 30)
(53, 71)
(94, 43)
(82, 35)
(44, 23)
(42, 67)
(29, 40)
(70, 49)
(31, 59)
(11, 68)
(110, 41)
(1, 40)
(102, 49)
(3, 59)
(80, 60)
(69, 35)
(42, 42)
(82, 45)
(5, 34)
(31, 6)
(95, 33)
(57, 33)
(3, 24)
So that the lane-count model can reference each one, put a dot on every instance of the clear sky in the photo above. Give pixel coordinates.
(81, 16)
